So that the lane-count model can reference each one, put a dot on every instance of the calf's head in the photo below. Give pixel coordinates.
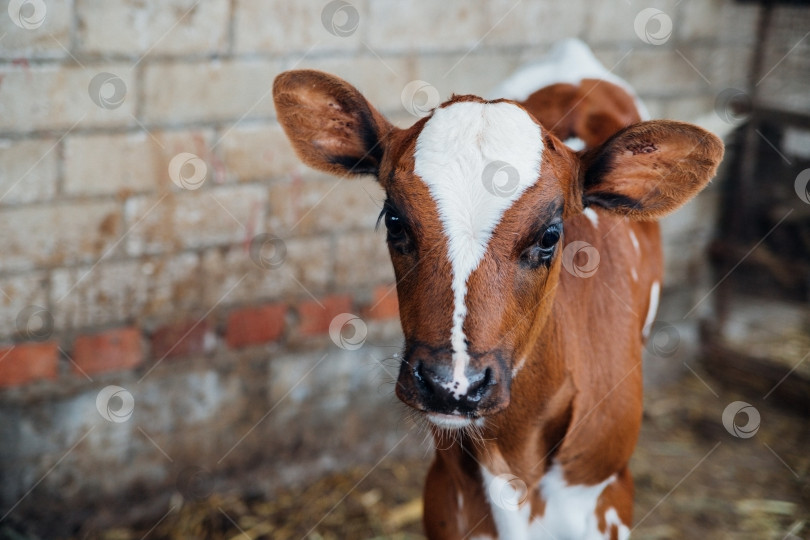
(476, 199)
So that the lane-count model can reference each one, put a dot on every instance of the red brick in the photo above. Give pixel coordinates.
(28, 362)
(255, 325)
(315, 317)
(385, 304)
(114, 350)
(180, 339)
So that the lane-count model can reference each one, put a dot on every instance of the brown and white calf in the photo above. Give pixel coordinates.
(529, 374)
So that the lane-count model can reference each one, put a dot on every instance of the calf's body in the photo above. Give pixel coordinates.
(528, 275)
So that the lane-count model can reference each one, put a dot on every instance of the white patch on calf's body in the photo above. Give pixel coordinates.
(612, 519)
(461, 522)
(592, 216)
(634, 274)
(655, 293)
(454, 148)
(510, 522)
(569, 62)
(574, 143)
(570, 510)
(634, 240)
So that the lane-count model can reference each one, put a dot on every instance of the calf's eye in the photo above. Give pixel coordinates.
(550, 237)
(542, 251)
(393, 223)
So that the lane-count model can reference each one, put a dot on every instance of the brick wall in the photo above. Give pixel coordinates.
(158, 234)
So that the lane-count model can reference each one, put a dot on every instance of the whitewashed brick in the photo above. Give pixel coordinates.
(168, 27)
(257, 152)
(28, 170)
(723, 20)
(685, 235)
(183, 92)
(614, 21)
(118, 291)
(194, 219)
(426, 24)
(726, 66)
(352, 389)
(380, 80)
(18, 293)
(282, 26)
(63, 233)
(50, 39)
(127, 163)
(361, 259)
(533, 21)
(319, 203)
(665, 72)
(307, 269)
(475, 73)
(689, 109)
(656, 106)
(51, 96)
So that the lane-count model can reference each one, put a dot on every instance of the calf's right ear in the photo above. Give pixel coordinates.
(330, 124)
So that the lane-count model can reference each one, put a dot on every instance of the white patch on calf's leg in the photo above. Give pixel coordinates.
(452, 152)
(570, 508)
(612, 520)
(511, 520)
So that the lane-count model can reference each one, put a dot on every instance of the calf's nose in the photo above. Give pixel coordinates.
(444, 391)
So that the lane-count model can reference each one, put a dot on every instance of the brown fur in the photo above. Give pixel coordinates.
(577, 398)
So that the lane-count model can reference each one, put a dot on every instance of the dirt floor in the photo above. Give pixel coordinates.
(694, 480)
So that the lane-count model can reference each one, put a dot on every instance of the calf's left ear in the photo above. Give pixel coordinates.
(649, 169)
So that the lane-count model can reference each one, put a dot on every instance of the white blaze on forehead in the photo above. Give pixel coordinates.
(454, 148)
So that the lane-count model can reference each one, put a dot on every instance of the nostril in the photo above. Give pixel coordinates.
(423, 376)
(480, 385)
